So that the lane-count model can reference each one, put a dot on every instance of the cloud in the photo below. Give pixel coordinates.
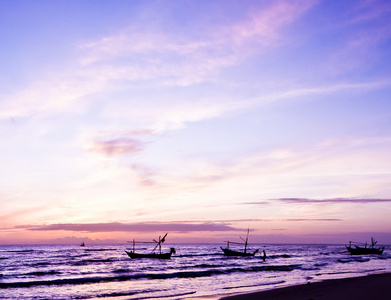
(334, 200)
(312, 220)
(69, 240)
(256, 203)
(156, 55)
(319, 201)
(144, 174)
(117, 146)
(133, 227)
(180, 58)
(60, 93)
(264, 23)
(144, 53)
(368, 11)
(119, 142)
(222, 221)
(362, 47)
(300, 92)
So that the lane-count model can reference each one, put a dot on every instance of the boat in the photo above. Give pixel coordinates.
(82, 245)
(151, 255)
(154, 254)
(364, 248)
(244, 253)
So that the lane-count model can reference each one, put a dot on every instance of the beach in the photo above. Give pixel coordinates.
(377, 286)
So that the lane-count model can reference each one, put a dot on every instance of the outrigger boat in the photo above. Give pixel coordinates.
(153, 254)
(230, 252)
(367, 249)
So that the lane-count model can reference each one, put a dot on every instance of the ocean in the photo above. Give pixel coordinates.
(106, 272)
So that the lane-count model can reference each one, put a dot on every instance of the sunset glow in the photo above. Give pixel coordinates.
(128, 119)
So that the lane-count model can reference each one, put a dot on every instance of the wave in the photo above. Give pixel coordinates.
(78, 255)
(204, 266)
(345, 260)
(321, 264)
(353, 259)
(89, 261)
(383, 256)
(362, 259)
(44, 273)
(42, 263)
(70, 281)
(280, 256)
(200, 254)
(184, 274)
(119, 294)
(19, 251)
(99, 250)
(254, 285)
(169, 295)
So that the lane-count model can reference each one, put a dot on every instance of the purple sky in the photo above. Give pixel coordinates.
(122, 119)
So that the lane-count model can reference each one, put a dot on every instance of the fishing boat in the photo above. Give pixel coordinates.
(154, 254)
(230, 252)
(364, 248)
(82, 244)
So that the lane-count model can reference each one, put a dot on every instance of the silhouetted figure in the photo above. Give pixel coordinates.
(264, 255)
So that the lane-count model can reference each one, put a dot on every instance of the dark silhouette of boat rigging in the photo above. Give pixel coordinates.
(244, 253)
(364, 248)
(154, 253)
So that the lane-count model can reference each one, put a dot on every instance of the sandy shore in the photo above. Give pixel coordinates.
(376, 286)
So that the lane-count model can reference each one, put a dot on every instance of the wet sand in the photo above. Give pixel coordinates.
(377, 286)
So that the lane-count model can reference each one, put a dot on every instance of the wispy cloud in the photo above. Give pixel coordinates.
(363, 47)
(327, 89)
(318, 201)
(184, 60)
(133, 227)
(144, 174)
(264, 23)
(142, 53)
(342, 164)
(113, 62)
(224, 221)
(335, 200)
(117, 142)
(368, 11)
(19, 214)
(255, 203)
(53, 95)
(312, 220)
(117, 146)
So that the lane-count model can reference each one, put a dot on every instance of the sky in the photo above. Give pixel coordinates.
(129, 119)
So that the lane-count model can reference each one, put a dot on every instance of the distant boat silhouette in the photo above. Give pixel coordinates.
(230, 252)
(367, 249)
(82, 244)
(132, 254)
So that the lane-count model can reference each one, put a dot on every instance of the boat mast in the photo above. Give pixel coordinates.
(245, 244)
(160, 245)
(245, 241)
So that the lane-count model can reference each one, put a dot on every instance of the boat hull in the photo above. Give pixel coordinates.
(364, 251)
(229, 252)
(132, 255)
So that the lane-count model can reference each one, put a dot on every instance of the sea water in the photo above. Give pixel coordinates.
(105, 271)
